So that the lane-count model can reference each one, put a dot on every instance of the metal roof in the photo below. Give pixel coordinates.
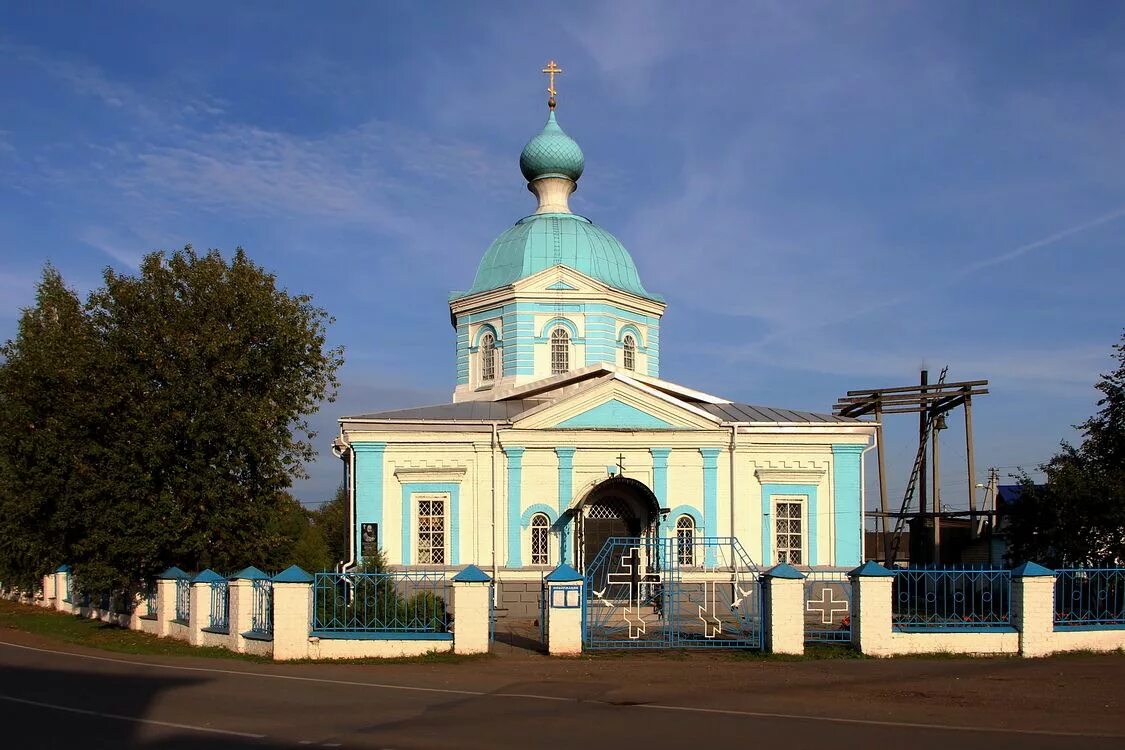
(496, 411)
(731, 412)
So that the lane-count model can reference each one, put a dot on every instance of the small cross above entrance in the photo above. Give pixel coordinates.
(620, 464)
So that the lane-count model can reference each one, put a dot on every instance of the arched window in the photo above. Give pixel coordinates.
(539, 549)
(685, 540)
(487, 351)
(560, 351)
(630, 348)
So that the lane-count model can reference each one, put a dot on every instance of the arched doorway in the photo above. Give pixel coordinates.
(619, 506)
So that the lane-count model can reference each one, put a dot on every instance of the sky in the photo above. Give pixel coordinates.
(829, 195)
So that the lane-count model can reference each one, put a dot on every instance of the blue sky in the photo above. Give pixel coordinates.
(828, 194)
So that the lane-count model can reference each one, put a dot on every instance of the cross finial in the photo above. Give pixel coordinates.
(621, 464)
(551, 69)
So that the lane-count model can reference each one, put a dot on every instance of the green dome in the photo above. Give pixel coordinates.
(552, 153)
(544, 240)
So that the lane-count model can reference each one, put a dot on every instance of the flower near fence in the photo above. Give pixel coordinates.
(949, 598)
(394, 602)
(1090, 597)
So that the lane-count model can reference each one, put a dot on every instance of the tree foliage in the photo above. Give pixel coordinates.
(160, 422)
(1078, 516)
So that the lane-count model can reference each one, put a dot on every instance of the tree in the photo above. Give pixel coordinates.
(188, 419)
(332, 520)
(1078, 516)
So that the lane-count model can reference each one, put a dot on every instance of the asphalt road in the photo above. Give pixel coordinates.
(62, 697)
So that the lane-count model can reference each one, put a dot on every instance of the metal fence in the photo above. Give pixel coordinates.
(69, 598)
(220, 606)
(951, 598)
(398, 602)
(261, 613)
(150, 601)
(828, 607)
(183, 599)
(1090, 597)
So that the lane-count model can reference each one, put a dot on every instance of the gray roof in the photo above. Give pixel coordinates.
(751, 413)
(462, 410)
(501, 411)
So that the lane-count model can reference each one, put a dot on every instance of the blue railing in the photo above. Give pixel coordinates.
(399, 602)
(952, 599)
(183, 599)
(261, 613)
(1090, 597)
(220, 606)
(150, 600)
(828, 607)
(69, 598)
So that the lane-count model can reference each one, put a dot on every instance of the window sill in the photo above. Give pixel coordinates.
(256, 635)
(217, 631)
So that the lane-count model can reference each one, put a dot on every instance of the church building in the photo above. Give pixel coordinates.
(560, 432)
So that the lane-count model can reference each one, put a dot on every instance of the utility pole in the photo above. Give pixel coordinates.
(923, 478)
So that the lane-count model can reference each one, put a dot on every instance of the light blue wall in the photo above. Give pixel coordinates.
(660, 479)
(809, 491)
(847, 480)
(515, 471)
(710, 498)
(566, 492)
(615, 414)
(368, 490)
(409, 489)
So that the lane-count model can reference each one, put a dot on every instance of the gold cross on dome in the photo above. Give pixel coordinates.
(551, 69)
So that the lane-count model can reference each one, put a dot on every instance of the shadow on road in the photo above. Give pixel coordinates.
(34, 703)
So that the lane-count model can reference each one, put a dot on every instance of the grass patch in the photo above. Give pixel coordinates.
(81, 631)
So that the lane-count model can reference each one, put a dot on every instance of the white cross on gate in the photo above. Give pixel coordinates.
(828, 605)
(631, 614)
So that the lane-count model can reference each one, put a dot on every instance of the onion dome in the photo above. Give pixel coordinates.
(552, 153)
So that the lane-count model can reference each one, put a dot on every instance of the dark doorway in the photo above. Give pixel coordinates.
(617, 507)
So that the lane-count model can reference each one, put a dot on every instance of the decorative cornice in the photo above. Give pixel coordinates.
(789, 476)
(408, 474)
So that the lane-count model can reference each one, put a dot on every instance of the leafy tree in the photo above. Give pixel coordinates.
(1078, 517)
(182, 415)
(332, 520)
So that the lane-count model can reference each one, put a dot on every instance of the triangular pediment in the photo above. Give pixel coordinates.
(561, 279)
(562, 286)
(612, 404)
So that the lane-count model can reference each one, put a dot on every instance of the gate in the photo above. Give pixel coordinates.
(672, 593)
(828, 607)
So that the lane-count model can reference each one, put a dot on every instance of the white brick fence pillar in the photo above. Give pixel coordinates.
(871, 609)
(62, 578)
(242, 606)
(783, 617)
(200, 615)
(1033, 608)
(292, 613)
(472, 607)
(564, 611)
(166, 599)
(48, 591)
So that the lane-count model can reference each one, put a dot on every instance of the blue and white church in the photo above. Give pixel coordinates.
(561, 433)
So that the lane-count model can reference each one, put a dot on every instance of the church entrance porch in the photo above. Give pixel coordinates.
(618, 507)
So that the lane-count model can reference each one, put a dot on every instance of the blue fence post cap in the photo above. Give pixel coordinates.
(207, 576)
(472, 574)
(1031, 570)
(870, 569)
(173, 573)
(251, 574)
(784, 570)
(562, 574)
(64, 568)
(293, 574)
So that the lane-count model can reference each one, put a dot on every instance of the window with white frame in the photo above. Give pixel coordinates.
(560, 351)
(487, 353)
(629, 347)
(540, 549)
(685, 540)
(431, 530)
(789, 531)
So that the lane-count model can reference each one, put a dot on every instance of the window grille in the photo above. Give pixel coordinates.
(787, 526)
(560, 351)
(685, 540)
(431, 531)
(630, 348)
(539, 527)
(487, 353)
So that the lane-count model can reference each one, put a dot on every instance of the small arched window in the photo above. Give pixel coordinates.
(630, 349)
(560, 351)
(539, 549)
(487, 352)
(685, 540)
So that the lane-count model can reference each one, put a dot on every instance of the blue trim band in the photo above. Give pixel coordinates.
(515, 470)
(332, 635)
(710, 499)
(368, 490)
